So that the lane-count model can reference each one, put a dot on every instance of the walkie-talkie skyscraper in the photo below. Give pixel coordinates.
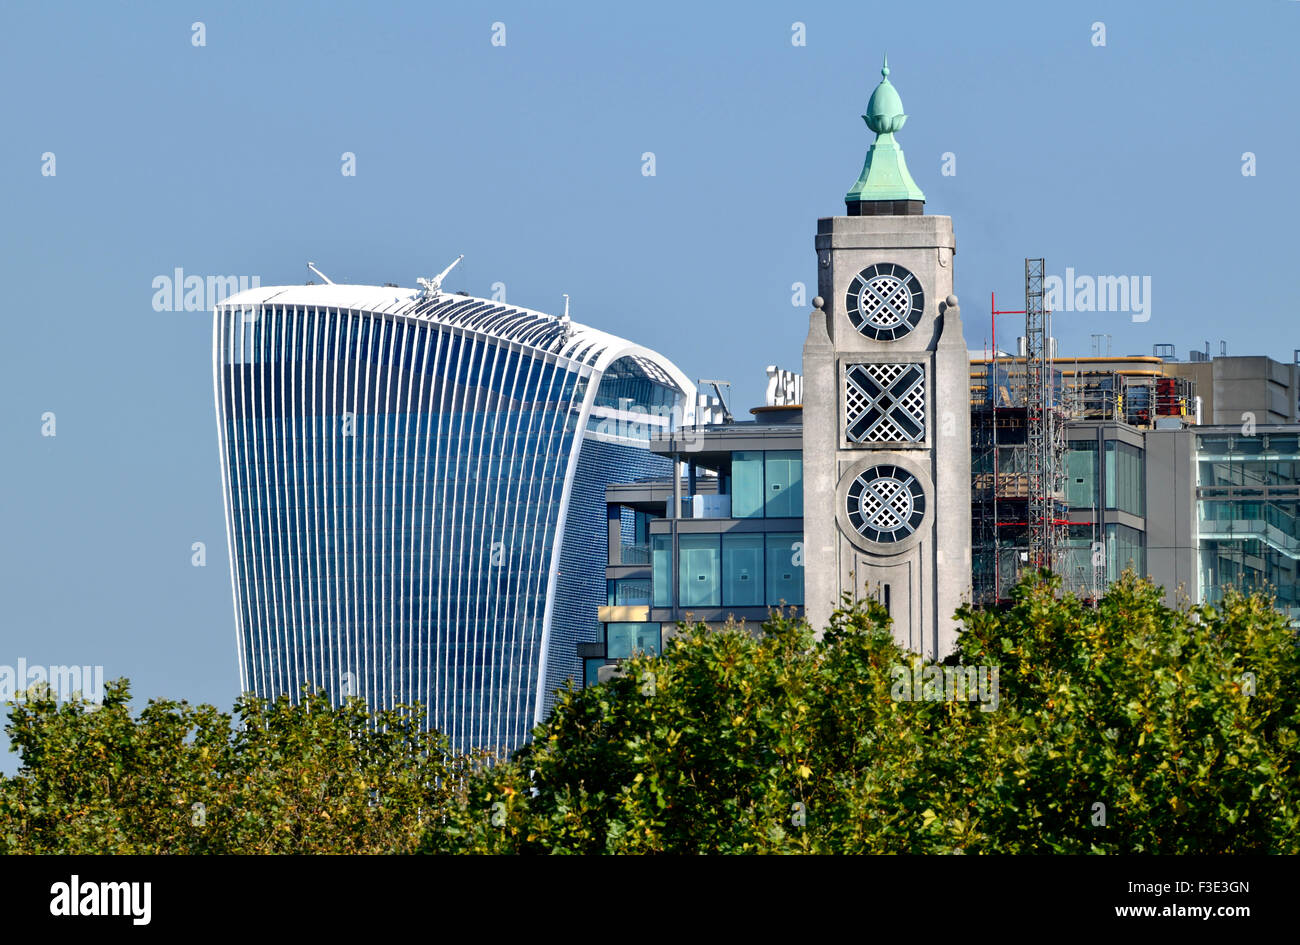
(414, 490)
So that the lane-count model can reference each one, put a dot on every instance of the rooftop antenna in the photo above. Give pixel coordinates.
(722, 399)
(312, 267)
(565, 322)
(434, 286)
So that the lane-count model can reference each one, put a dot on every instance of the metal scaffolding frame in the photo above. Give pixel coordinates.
(1018, 444)
(1021, 405)
(1038, 422)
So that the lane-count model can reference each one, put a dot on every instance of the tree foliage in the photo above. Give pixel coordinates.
(276, 777)
(1133, 727)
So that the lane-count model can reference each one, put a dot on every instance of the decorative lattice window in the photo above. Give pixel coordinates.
(886, 503)
(884, 403)
(884, 302)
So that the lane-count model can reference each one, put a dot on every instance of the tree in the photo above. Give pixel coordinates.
(1130, 728)
(277, 777)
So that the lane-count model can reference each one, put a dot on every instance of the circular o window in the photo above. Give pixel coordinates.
(884, 302)
(886, 503)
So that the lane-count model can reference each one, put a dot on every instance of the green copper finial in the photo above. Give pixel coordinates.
(884, 175)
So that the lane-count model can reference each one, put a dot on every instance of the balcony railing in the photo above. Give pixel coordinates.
(631, 554)
(703, 506)
(631, 594)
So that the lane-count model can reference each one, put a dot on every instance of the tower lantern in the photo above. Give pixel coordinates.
(885, 186)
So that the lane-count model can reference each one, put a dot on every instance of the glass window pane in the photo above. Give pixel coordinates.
(629, 592)
(648, 638)
(1081, 475)
(624, 639)
(662, 570)
(1111, 469)
(747, 484)
(619, 640)
(1137, 479)
(1125, 478)
(1124, 549)
(742, 570)
(784, 483)
(784, 570)
(701, 567)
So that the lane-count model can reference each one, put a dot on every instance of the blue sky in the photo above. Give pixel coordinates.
(225, 159)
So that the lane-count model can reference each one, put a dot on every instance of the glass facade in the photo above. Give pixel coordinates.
(1253, 462)
(1078, 558)
(700, 563)
(662, 569)
(622, 640)
(1115, 479)
(578, 592)
(1248, 512)
(784, 570)
(413, 514)
(732, 569)
(767, 484)
(628, 592)
(1081, 475)
(747, 484)
(1125, 478)
(636, 398)
(1124, 549)
(784, 473)
(742, 570)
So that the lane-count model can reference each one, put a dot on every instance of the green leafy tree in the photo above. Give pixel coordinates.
(1182, 724)
(276, 777)
(1133, 727)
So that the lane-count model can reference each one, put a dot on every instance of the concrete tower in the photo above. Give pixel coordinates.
(887, 405)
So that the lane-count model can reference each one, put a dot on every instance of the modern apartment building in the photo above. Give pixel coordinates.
(721, 541)
(414, 487)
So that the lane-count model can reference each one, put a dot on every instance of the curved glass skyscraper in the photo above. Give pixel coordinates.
(414, 491)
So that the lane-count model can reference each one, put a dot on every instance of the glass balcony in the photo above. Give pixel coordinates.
(703, 506)
(638, 553)
(629, 593)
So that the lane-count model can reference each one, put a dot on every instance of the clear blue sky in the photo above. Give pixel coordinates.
(225, 159)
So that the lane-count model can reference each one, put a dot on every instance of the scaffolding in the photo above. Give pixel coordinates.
(1021, 407)
(1021, 521)
(1047, 517)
